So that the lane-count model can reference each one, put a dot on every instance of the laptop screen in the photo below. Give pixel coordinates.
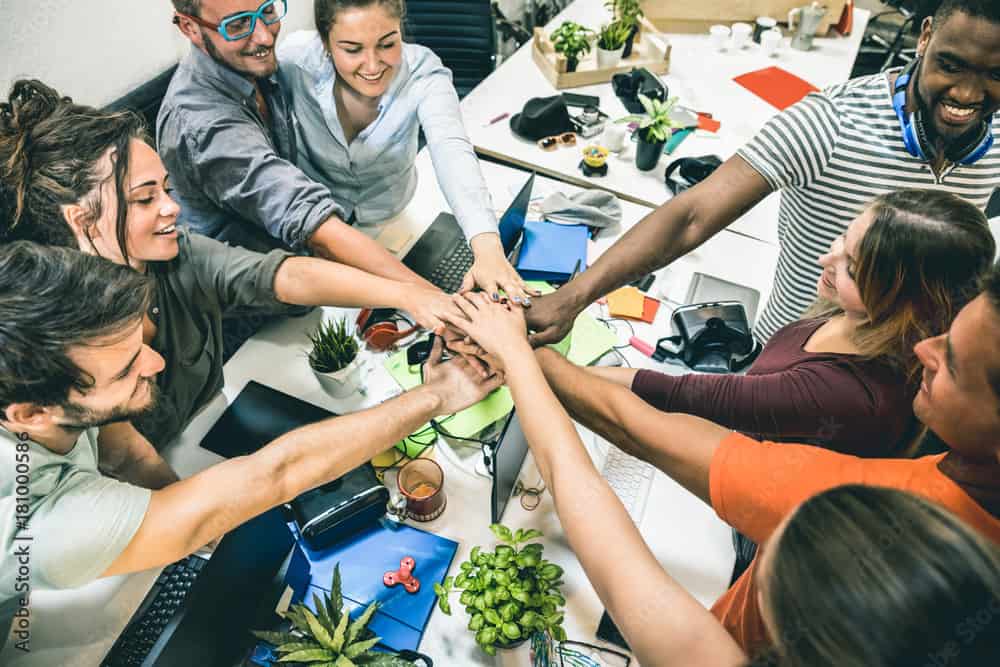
(512, 221)
(508, 457)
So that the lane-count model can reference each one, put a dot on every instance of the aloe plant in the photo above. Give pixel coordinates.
(655, 124)
(334, 346)
(613, 35)
(509, 593)
(328, 637)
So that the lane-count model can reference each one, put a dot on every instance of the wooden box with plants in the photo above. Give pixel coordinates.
(327, 637)
(509, 593)
(334, 357)
(575, 55)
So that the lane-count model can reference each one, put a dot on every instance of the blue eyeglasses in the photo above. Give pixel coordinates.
(240, 26)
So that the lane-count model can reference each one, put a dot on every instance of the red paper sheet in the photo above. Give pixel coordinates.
(776, 86)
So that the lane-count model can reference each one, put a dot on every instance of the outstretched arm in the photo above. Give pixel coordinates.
(671, 231)
(663, 624)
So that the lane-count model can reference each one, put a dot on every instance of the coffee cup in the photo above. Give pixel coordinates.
(719, 34)
(770, 40)
(741, 35)
(761, 25)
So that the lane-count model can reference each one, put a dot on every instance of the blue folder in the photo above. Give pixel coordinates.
(551, 252)
(364, 559)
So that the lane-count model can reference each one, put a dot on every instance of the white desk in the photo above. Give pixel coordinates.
(78, 627)
(700, 76)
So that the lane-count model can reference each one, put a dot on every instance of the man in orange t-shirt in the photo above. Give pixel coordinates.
(753, 485)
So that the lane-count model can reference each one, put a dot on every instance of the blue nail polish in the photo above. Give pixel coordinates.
(527, 300)
(517, 299)
(496, 297)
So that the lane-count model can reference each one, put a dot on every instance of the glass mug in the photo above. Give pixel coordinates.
(421, 481)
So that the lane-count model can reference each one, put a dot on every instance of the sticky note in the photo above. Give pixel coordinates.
(626, 302)
(650, 306)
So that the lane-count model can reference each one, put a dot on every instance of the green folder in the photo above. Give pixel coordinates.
(586, 342)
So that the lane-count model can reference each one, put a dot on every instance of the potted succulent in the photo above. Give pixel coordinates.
(328, 636)
(509, 593)
(572, 40)
(655, 127)
(627, 12)
(334, 357)
(611, 42)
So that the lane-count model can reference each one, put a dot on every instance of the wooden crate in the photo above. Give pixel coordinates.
(651, 50)
(692, 16)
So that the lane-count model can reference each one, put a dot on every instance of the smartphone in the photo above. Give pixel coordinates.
(577, 100)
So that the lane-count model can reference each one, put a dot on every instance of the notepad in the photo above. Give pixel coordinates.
(776, 86)
(626, 302)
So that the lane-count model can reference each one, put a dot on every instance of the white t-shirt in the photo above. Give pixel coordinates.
(830, 155)
(62, 523)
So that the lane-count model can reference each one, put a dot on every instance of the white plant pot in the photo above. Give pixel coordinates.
(608, 59)
(342, 383)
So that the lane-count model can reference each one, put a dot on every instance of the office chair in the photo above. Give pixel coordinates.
(460, 32)
(891, 35)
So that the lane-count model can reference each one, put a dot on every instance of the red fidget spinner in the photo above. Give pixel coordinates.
(403, 576)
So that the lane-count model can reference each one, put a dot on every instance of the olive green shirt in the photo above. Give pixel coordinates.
(207, 281)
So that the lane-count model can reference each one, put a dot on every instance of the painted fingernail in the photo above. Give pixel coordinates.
(496, 297)
(527, 301)
(517, 299)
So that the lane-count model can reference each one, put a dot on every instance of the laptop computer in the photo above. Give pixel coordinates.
(200, 610)
(443, 256)
(504, 463)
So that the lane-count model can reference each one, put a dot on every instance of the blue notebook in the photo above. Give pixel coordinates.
(364, 559)
(551, 252)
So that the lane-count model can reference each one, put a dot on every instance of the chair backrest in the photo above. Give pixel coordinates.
(460, 32)
(145, 100)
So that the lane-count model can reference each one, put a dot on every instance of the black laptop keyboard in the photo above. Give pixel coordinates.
(448, 275)
(161, 603)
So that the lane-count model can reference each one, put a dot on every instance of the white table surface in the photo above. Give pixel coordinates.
(77, 627)
(700, 76)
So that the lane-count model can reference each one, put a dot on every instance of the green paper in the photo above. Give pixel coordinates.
(587, 341)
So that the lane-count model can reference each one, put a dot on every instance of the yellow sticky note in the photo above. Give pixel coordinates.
(626, 302)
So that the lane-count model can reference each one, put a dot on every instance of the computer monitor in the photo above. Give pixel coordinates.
(506, 460)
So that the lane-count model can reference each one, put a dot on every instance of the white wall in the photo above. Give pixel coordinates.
(97, 50)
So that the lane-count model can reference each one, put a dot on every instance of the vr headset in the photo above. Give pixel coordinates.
(712, 338)
(691, 170)
(640, 81)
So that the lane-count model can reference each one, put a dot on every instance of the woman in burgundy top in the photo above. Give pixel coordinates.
(845, 377)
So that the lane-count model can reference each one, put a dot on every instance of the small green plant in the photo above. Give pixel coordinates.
(656, 123)
(627, 11)
(509, 593)
(572, 40)
(328, 636)
(334, 346)
(613, 35)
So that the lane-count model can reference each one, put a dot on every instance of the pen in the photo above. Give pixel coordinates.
(499, 118)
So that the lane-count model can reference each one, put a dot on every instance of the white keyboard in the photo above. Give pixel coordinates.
(630, 478)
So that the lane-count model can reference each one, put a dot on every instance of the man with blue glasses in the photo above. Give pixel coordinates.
(227, 138)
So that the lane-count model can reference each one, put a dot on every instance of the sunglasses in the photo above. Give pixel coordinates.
(566, 139)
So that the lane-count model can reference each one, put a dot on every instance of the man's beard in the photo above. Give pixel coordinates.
(79, 418)
(219, 58)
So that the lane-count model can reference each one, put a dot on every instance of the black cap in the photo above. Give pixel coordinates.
(542, 117)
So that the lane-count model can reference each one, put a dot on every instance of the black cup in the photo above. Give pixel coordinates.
(760, 25)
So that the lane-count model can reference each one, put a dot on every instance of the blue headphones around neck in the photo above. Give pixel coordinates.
(915, 136)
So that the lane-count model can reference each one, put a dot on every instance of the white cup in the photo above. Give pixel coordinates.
(741, 35)
(719, 34)
(770, 40)
(614, 136)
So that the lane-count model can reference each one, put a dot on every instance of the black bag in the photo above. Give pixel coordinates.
(640, 81)
(712, 338)
(341, 508)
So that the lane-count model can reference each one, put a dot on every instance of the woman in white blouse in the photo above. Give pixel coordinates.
(360, 96)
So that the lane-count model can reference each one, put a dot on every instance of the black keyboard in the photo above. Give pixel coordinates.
(161, 603)
(448, 275)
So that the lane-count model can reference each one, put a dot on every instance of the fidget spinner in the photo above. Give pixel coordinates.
(403, 576)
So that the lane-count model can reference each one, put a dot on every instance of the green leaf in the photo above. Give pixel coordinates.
(466, 566)
(480, 603)
(519, 536)
(461, 581)
(559, 633)
(361, 622)
(444, 606)
(476, 622)
(275, 638)
(504, 550)
(556, 599)
(383, 660)
(335, 602)
(554, 619)
(492, 616)
(490, 634)
(343, 661)
(294, 614)
(489, 649)
(508, 611)
(502, 578)
(311, 655)
(488, 577)
(528, 619)
(292, 647)
(467, 598)
(511, 631)
(354, 650)
(317, 630)
(490, 598)
(551, 572)
(474, 555)
(340, 631)
(501, 595)
(531, 534)
(439, 590)
(520, 596)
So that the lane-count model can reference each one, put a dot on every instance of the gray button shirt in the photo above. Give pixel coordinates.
(373, 178)
(235, 177)
(207, 281)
